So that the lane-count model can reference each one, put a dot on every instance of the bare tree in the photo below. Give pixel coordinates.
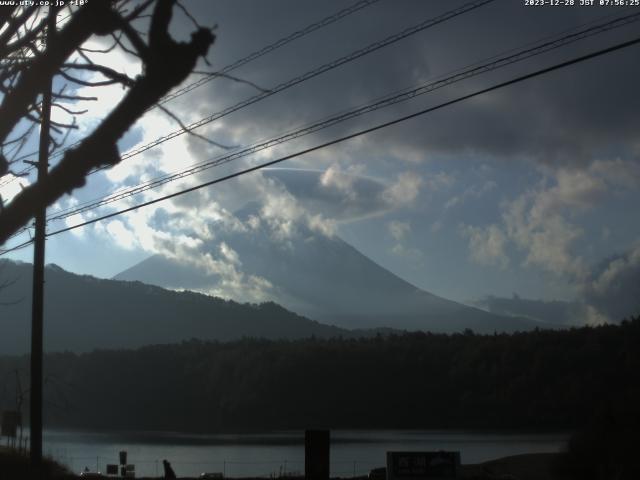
(31, 57)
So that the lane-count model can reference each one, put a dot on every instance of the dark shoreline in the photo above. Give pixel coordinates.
(532, 466)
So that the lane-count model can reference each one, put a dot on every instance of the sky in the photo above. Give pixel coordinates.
(527, 192)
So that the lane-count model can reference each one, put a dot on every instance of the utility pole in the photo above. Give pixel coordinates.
(37, 302)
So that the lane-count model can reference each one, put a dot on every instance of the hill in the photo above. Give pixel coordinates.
(83, 313)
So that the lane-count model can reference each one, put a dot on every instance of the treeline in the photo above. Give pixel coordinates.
(539, 379)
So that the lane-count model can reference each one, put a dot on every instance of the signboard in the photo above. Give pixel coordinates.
(112, 469)
(11, 420)
(422, 465)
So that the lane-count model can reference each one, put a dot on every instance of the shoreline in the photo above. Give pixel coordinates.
(528, 466)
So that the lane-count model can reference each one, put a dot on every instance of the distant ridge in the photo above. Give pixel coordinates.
(83, 313)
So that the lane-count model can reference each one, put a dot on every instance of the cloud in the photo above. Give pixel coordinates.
(537, 220)
(542, 221)
(558, 312)
(577, 120)
(487, 245)
(122, 236)
(11, 186)
(341, 195)
(474, 191)
(404, 190)
(439, 181)
(216, 259)
(568, 120)
(614, 288)
(399, 230)
(342, 180)
(609, 294)
(546, 239)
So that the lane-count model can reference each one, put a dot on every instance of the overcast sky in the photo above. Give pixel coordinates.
(531, 189)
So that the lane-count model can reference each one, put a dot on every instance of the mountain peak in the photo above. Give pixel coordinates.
(330, 281)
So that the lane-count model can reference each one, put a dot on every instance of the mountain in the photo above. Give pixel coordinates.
(328, 280)
(83, 313)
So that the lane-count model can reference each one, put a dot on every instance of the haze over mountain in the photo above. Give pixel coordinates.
(324, 278)
(83, 313)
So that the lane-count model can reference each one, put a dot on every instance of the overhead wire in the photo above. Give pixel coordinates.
(372, 47)
(328, 20)
(392, 99)
(270, 48)
(521, 78)
(428, 23)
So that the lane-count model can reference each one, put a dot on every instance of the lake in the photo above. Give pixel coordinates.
(353, 452)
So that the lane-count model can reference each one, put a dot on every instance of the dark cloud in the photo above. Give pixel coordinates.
(346, 197)
(586, 111)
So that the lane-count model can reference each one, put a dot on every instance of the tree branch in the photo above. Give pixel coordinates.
(85, 22)
(106, 71)
(189, 131)
(168, 64)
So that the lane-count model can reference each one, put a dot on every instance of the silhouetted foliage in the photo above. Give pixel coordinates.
(30, 60)
(540, 379)
(17, 467)
(606, 446)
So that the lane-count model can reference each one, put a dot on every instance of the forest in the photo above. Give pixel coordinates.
(535, 380)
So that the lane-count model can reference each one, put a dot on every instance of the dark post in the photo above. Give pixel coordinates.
(316, 455)
(37, 303)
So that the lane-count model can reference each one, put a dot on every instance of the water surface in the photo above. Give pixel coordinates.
(353, 452)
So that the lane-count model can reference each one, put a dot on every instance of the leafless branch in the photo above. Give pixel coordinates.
(111, 74)
(68, 110)
(166, 64)
(190, 131)
(87, 83)
(233, 78)
(187, 14)
(73, 97)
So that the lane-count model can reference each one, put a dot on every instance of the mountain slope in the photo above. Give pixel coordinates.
(83, 313)
(330, 281)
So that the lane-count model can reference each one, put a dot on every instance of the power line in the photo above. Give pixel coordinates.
(386, 101)
(253, 56)
(299, 79)
(17, 247)
(483, 91)
(308, 75)
(124, 191)
(313, 73)
(270, 48)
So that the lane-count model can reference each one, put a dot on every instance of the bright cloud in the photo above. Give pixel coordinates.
(487, 245)
(342, 180)
(404, 190)
(399, 230)
(541, 222)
